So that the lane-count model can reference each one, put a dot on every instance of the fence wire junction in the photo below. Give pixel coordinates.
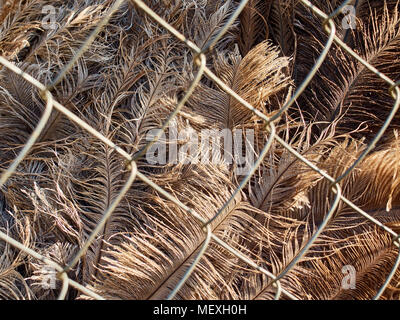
(199, 62)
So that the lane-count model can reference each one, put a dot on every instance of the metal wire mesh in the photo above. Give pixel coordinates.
(202, 70)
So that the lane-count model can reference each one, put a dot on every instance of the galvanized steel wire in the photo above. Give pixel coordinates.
(199, 62)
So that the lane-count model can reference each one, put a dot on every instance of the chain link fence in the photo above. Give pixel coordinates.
(327, 23)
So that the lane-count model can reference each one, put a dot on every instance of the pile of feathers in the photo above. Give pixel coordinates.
(128, 82)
